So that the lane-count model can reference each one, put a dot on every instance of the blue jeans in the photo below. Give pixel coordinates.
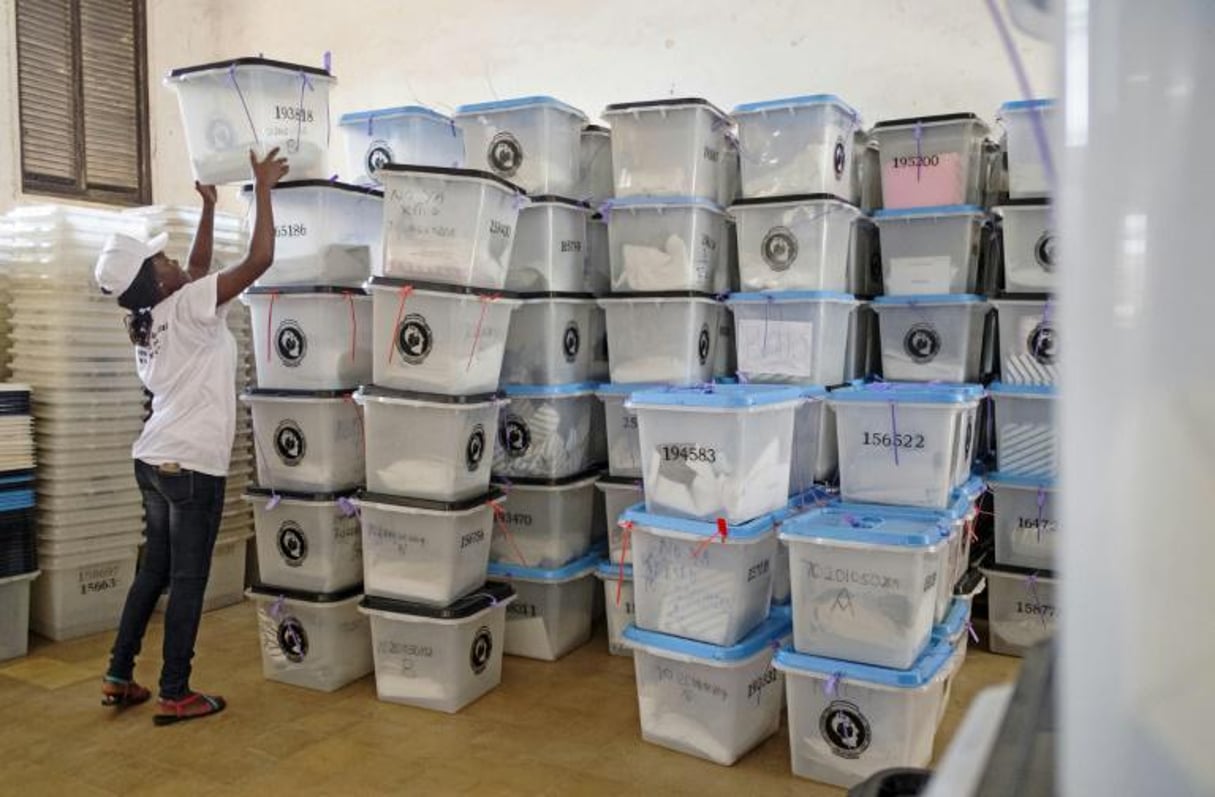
(183, 511)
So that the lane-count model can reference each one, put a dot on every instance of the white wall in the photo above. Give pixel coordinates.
(887, 57)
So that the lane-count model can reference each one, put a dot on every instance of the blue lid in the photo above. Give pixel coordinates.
(579, 567)
(876, 526)
(356, 117)
(971, 489)
(925, 668)
(768, 634)
(701, 528)
(1026, 482)
(955, 620)
(516, 103)
(961, 504)
(718, 396)
(611, 570)
(928, 298)
(541, 391)
(625, 388)
(911, 392)
(661, 202)
(782, 609)
(11, 500)
(931, 210)
(790, 296)
(801, 101)
(807, 501)
(811, 391)
(1025, 105)
(1003, 389)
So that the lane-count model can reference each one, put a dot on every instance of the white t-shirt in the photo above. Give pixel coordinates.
(190, 368)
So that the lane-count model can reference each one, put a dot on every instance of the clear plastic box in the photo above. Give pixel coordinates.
(789, 243)
(931, 160)
(552, 614)
(712, 702)
(1030, 257)
(312, 640)
(1027, 441)
(1027, 174)
(533, 141)
(815, 451)
(932, 338)
(673, 243)
(598, 274)
(624, 447)
(15, 614)
(664, 337)
(428, 552)
(670, 147)
(931, 250)
(797, 145)
(435, 338)
(619, 494)
(408, 134)
(595, 164)
(307, 442)
(1022, 608)
(549, 251)
(545, 431)
(550, 340)
(545, 523)
(1026, 520)
(320, 337)
(1029, 348)
(231, 107)
(306, 541)
(618, 603)
(793, 336)
(451, 226)
(83, 592)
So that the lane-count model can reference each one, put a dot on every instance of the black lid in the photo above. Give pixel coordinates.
(490, 594)
(265, 590)
(351, 187)
(628, 106)
(268, 492)
(1017, 571)
(560, 200)
(433, 398)
(494, 494)
(622, 481)
(317, 394)
(970, 582)
(297, 290)
(591, 473)
(596, 216)
(311, 70)
(1028, 297)
(483, 175)
(661, 295)
(943, 117)
(554, 295)
(1034, 202)
(776, 200)
(596, 129)
(438, 287)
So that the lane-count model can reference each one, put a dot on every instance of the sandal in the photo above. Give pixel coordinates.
(116, 693)
(191, 707)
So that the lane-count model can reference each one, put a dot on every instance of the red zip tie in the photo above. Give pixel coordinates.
(354, 325)
(971, 536)
(624, 554)
(270, 325)
(723, 531)
(485, 300)
(392, 339)
(499, 513)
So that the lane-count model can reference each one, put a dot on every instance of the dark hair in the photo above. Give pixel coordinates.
(140, 297)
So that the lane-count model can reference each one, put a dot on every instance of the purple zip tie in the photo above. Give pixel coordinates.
(894, 432)
(1031, 584)
(831, 687)
(347, 507)
(605, 210)
(767, 312)
(248, 116)
(327, 61)
(743, 379)
(274, 501)
(919, 135)
(276, 608)
(370, 122)
(305, 81)
(520, 201)
(1041, 504)
(970, 629)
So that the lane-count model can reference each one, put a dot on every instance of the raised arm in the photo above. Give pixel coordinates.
(232, 281)
(204, 237)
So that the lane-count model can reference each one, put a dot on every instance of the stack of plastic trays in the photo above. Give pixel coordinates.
(18, 554)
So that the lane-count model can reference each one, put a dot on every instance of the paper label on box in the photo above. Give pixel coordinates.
(919, 275)
(912, 181)
(775, 347)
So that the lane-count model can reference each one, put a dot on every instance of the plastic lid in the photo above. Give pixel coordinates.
(355, 117)
(673, 102)
(449, 171)
(929, 211)
(782, 297)
(930, 298)
(292, 495)
(374, 392)
(970, 584)
(791, 199)
(662, 202)
(516, 103)
(925, 668)
(1026, 482)
(1036, 391)
(591, 474)
(911, 392)
(944, 117)
(576, 569)
(1025, 298)
(311, 70)
(1022, 572)
(750, 530)
(553, 199)
(611, 570)
(544, 391)
(555, 295)
(621, 481)
(256, 393)
(812, 391)
(961, 504)
(718, 396)
(298, 290)
(385, 499)
(772, 631)
(490, 594)
(797, 102)
(971, 489)
(267, 591)
(1039, 202)
(334, 184)
(1025, 105)
(955, 619)
(651, 295)
(596, 130)
(625, 388)
(438, 287)
(873, 527)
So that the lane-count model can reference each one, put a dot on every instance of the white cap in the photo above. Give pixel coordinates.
(121, 258)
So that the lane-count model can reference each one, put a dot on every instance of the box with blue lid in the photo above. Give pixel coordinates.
(675, 243)
(848, 720)
(1029, 340)
(797, 145)
(711, 582)
(533, 141)
(668, 147)
(545, 523)
(717, 450)
(544, 432)
(1029, 127)
(793, 336)
(667, 337)
(931, 250)
(552, 613)
(1027, 441)
(549, 250)
(617, 581)
(405, 134)
(865, 586)
(713, 702)
(1026, 520)
(312, 640)
(795, 243)
(904, 443)
(932, 338)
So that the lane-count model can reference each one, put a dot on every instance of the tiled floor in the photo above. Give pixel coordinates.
(563, 728)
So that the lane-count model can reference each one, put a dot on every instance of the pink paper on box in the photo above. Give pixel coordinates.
(937, 181)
